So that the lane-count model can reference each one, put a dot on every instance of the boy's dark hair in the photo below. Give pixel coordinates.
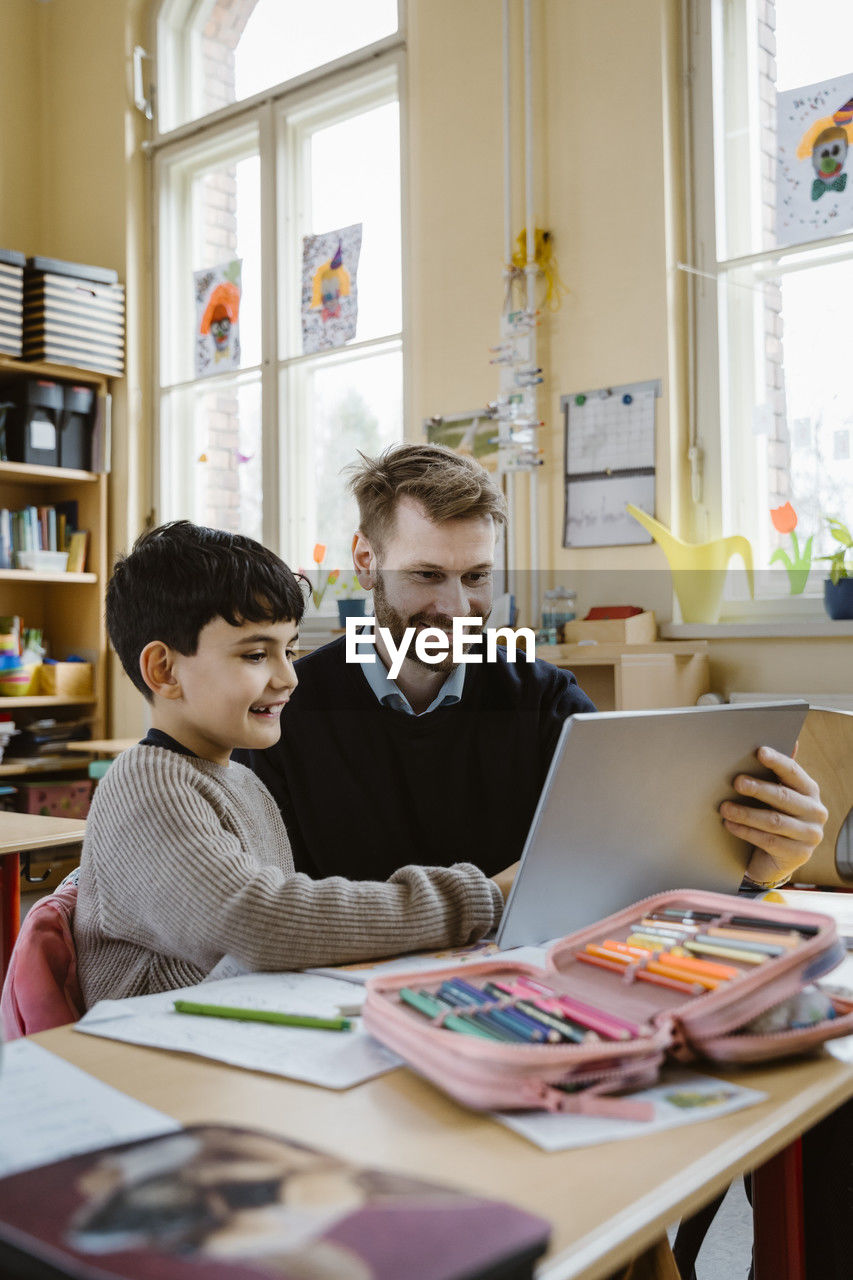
(181, 576)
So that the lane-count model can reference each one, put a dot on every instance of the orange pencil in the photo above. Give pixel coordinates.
(687, 986)
(606, 953)
(625, 948)
(681, 975)
(709, 967)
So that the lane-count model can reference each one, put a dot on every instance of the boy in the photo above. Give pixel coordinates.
(186, 857)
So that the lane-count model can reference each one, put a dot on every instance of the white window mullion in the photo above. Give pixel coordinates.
(273, 532)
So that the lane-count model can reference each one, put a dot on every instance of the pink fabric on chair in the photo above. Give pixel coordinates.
(42, 989)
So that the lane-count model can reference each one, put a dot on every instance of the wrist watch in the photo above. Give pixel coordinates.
(764, 886)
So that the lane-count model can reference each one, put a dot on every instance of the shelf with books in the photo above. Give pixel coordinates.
(68, 608)
(24, 473)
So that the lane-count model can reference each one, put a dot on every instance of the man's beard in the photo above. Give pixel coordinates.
(396, 623)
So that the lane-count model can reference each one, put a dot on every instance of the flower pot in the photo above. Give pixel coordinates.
(838, 597)
(351, 609)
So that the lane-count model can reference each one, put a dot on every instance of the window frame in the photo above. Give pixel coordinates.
(340, 85)
(708, 199)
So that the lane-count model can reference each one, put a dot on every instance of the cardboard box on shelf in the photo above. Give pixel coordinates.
(55, 799)
(67, 679)
(640, 628)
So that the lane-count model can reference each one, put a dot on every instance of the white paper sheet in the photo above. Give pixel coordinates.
(333, 1059)
(51, 1109)
(419, 962)
(702, 1098)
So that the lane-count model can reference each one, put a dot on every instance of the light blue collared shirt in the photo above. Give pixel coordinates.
(390, 695)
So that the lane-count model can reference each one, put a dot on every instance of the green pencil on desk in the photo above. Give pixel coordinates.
(263, 1015)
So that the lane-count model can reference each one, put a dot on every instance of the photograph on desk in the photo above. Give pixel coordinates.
(239, 1204)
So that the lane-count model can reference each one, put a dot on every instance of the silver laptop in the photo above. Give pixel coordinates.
(629, 808)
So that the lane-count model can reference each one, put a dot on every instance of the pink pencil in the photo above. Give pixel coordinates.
(606, 1024)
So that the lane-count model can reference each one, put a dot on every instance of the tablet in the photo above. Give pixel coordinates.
(630, 808)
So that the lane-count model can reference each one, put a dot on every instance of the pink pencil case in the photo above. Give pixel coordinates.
(665, 1020)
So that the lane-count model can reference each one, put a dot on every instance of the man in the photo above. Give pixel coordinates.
(446, 762)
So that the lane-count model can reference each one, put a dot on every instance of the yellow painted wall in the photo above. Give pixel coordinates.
(609, 176)
(605, 184)
(20, 179)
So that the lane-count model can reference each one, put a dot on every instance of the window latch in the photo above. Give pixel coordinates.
(140, 101)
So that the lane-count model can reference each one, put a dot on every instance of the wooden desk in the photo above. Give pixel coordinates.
(635, 677)
(606, 1203)
(22, 833)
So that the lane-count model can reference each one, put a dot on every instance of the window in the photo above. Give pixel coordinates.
(212, 53)
(259, 445)
(774, 386)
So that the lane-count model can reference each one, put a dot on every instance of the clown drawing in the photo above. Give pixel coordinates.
(828, 156)
(331, 283)
(220, 318)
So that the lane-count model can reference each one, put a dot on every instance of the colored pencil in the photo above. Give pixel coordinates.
(643, 975)
(263, 1015)
(727, 953)
(564, 1028)
(433, 1008)
(606, 1024)
(765, 948)
(787, 940)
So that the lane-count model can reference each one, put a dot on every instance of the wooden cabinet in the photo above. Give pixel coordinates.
(635, 677)
(67, 606)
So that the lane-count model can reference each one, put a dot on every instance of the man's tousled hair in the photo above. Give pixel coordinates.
(180, 576)
(448, 485)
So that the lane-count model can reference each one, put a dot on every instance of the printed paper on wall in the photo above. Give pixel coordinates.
(217, 318)
(814, 195)
(330, 288)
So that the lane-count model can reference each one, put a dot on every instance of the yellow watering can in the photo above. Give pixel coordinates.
(698, 568)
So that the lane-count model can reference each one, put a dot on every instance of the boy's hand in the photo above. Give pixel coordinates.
(505, 878)
(784, 835)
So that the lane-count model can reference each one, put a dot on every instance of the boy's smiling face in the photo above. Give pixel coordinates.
(229, 693)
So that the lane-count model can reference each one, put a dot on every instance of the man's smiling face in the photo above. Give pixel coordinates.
(426, 574)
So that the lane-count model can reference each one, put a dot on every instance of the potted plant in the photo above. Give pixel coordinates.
(352, 598)
(838, 587)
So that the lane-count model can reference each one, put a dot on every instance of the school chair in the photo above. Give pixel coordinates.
(42, 989)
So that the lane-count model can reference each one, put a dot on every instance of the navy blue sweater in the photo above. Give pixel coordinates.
(365, 790)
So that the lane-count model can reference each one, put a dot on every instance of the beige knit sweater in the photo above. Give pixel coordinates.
(185, 860)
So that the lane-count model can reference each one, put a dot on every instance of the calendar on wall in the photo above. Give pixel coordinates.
(609, 461)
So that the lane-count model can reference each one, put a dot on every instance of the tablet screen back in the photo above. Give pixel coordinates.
(630, 808)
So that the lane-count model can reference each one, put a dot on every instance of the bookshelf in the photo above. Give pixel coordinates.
(67, 606)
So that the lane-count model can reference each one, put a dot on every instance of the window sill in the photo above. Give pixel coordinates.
(815, 628)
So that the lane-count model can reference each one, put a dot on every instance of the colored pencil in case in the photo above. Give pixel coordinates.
(551, 1008)
(764, 948)
(665, 926)
(608, 953)
(468, 1006)
(786, 940)
(625, 948)
(606, 1024)
(670, 969)
(711, 968)
(535, 1009)
(687, 916)
(688, 987)
(725, 952)
(516, 1022)
(432, 1008)
(649, 942)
